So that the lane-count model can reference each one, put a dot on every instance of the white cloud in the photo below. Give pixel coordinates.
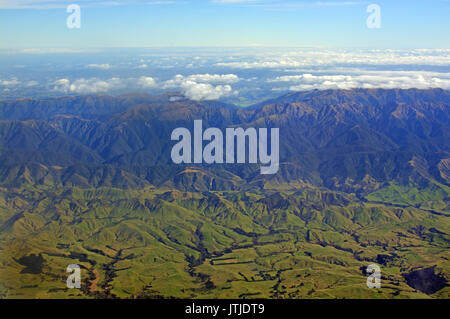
(95, 85)
(200, 86)
(335, 3)
(214, 78)
(368, 79)
(146, 82)
(289, 5)
(12, 82)
(175, 98)
(104, 66)
(87, 86)
(309, 58)
(53, 4)
(49, 50)
(235, 1)
(205, 91)
(179, 79)
(32, 83)
(161, 2)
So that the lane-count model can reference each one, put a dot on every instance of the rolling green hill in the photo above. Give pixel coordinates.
(166, 243)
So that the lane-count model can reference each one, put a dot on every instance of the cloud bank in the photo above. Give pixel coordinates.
(309, 58)
(195, 87)
(200, 86)
(367, 80)
(95, 85)
(240, 76)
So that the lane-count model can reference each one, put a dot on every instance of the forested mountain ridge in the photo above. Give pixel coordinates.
(364, 178)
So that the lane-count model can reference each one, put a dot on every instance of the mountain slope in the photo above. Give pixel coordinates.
(363, 179)
(337, 139)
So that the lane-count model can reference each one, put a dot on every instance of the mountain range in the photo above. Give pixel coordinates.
(364, 178)
(355, 141)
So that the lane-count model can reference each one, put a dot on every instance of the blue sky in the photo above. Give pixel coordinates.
(326, 23)
(238, 51)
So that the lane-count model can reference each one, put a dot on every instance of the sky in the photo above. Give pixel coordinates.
(37, 24)
(236, 51)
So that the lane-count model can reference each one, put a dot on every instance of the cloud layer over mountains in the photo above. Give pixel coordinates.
(234, 74)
